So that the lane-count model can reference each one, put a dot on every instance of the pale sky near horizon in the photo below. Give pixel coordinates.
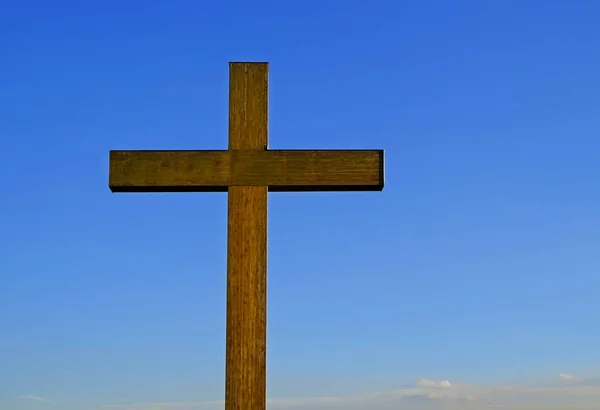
(470, 282)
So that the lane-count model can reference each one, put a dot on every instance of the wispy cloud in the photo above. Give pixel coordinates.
(569, 377)
(426, 394)
(35, 398)
(444, 384)
(164, 405)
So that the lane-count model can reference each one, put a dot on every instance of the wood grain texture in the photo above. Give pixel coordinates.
(246, 338)
(214, 171)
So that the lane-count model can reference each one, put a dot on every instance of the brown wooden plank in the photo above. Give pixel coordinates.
(304, 170)
(169, 171)
(213, 171)
(246, 339)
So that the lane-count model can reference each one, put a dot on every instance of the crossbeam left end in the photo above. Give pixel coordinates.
(168, 171)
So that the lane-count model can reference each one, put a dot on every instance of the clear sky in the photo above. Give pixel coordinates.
(477, 267)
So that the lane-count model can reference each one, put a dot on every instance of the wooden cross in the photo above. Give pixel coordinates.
(247, 171)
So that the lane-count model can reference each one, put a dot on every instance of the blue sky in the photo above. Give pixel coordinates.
(477, 265)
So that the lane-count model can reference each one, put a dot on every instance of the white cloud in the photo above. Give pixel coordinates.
(34, 398)
(425, 394)
(165, 405)
(569, 378)
(433, 383)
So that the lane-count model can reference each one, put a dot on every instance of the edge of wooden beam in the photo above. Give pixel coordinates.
(166, 189)
(248, 62)
(381, 169)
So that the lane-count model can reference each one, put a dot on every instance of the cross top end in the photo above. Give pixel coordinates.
(247, 162)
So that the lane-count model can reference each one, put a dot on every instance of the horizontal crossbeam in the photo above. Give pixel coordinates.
(214, 171)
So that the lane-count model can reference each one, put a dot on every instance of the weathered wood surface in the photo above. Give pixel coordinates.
(246, 334)
(214, 171)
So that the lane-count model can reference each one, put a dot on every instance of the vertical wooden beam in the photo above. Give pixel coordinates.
(246, 361)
